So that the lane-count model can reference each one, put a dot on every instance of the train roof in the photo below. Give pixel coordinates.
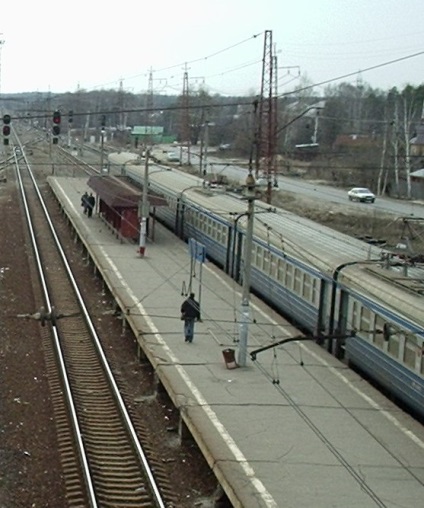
(315, 245)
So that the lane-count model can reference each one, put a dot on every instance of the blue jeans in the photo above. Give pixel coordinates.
(189, 329)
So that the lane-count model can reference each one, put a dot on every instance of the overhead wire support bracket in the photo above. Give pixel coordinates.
(254, 353)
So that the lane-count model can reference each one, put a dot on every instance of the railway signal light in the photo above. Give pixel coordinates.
(6, 129)
(103, 122)
(56, 126)
(70, 116)
(56, 117)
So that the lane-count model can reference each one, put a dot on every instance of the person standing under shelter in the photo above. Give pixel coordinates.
(190, 312)
(84, 201)
(91, 201)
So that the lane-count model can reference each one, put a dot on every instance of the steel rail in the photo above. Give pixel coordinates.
(128, 423)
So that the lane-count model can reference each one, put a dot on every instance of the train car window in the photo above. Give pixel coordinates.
(393, 346)
(394, 338)
(307, 287)
(422, 358)
(200, 222)
(309, 290)
(213, 229)
(297, 281)
(254, 254)
(281, 268)
(224, 238)
(411, 350)
(273, 268)
(189, 215)
(265, 266)
(209, 227)
(378, 332)
(219, 233)
(289, 276)
(259, 254)
(366, 326)
(316, 291)
(355, 315)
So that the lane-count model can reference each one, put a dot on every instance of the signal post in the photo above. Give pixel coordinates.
(6, 129)
(56, 127)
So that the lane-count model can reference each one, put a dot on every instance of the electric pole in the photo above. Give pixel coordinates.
(204, 151)
(250, 195)
(122, 115)
(185, 119)
(148, 138)
(144, 208)
(267, 129)
(102, 142)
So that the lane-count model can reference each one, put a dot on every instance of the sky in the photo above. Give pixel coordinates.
(65, 46)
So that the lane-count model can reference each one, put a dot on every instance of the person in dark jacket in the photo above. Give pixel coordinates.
(91, 203)
(84, 201)
(190, 312)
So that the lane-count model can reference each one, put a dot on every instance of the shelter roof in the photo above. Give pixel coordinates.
(117, 193)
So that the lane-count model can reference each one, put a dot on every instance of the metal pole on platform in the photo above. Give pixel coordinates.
(245, 300)
(205, 150)
(145, 207)
(102, 142)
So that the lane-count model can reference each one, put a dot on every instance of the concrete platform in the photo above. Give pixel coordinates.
(296, 428)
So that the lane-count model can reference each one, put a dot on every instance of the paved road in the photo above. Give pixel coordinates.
(399, 208)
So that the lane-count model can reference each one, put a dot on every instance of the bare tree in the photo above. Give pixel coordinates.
(382, 173)
(395, 146)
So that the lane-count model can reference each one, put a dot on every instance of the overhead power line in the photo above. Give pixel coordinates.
(355, 73)
(189, 62)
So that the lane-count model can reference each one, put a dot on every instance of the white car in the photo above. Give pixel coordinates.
(173, 157)
(361, 194)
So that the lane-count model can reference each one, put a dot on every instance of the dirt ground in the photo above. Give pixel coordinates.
(30, 466)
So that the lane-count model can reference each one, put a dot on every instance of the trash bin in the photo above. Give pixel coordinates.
(229, 358)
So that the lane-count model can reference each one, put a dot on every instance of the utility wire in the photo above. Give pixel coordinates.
(355, 73)
(188, 62)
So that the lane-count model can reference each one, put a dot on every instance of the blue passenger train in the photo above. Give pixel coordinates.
(328, 283)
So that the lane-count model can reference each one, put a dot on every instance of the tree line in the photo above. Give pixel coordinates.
(359, 132)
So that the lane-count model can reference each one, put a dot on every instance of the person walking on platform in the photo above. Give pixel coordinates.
(84, 201)
(91, 201)
(190, 312)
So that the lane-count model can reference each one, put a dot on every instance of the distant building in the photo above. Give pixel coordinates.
(417, 142)
(417, 184)
(345, 142)
(147, 134)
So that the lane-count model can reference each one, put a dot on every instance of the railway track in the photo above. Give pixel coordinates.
(104, 463)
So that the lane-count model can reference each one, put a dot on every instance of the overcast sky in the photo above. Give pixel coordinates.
(91, 44)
